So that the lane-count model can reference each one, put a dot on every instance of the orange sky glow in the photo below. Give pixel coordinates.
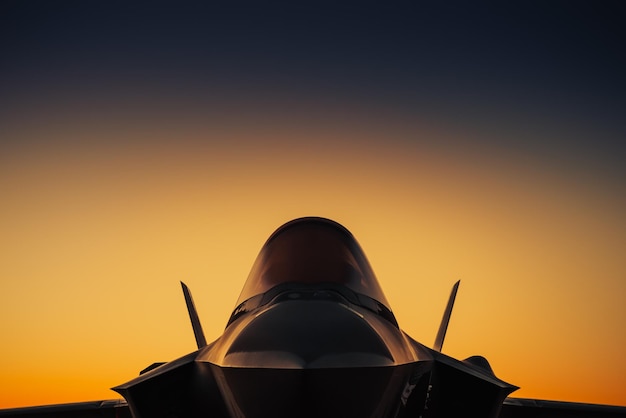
(99, 223)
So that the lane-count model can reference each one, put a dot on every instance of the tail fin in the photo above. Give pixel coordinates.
(446, 319)
(193, 316)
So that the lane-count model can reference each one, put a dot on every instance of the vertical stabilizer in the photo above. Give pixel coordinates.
(441, 334)
(193, 316)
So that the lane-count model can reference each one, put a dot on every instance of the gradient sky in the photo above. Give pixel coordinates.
(146, 144)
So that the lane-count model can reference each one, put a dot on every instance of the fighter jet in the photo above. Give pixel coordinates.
(312, 335)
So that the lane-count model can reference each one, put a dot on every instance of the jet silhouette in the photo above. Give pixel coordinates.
(312, 335)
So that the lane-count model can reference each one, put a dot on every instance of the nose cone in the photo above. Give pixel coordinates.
(312, 334)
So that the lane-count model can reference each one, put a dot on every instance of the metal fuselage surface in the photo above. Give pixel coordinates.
(312, 335)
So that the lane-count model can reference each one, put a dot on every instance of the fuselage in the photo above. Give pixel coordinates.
(312, 335)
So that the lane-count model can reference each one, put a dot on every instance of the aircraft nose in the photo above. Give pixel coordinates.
(308, 334)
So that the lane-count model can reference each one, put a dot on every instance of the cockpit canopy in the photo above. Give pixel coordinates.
(312, 251)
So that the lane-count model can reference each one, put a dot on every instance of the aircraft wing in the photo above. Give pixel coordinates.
(115, 408)
(511, 408)
(535, 408)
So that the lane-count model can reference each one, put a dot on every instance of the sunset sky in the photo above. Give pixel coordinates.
(145, 144)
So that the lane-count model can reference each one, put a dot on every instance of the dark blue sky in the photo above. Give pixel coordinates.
(555, 63)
